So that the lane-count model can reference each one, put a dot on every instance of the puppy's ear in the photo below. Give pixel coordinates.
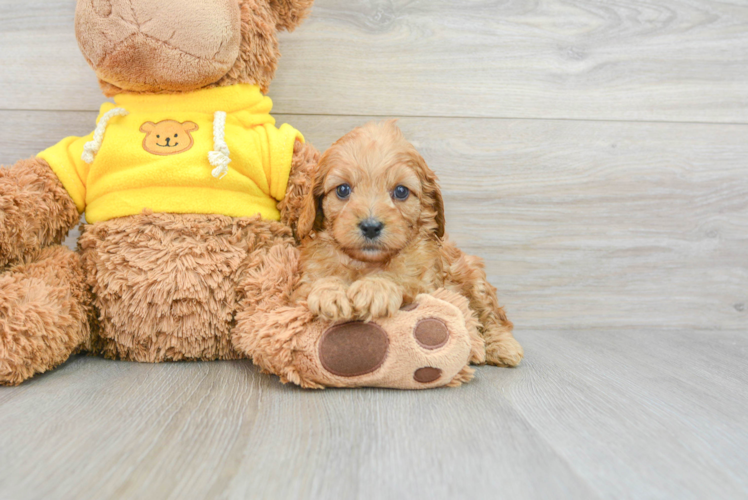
(290, 13)
(310, 214)
(441, 222)
(432, 194)
(297, 206)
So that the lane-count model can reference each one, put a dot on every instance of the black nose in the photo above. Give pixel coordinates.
(167, 140)
(371, 228)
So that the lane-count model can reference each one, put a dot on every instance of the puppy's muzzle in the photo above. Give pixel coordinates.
(371, 228)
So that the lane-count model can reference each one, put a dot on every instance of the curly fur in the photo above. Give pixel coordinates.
(277, 325)
(300, 184)
(345, 276)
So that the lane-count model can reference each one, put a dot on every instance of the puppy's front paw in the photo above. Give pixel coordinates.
(375, 298)
(328, 299)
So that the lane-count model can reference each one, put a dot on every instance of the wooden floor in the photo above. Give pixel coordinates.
(590, 414)
(595, 153)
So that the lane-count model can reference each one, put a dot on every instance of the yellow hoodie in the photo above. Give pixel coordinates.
(213, 151)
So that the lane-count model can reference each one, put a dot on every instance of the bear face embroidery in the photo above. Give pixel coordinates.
(168, 137)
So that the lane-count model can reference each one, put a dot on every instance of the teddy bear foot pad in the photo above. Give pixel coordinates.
(424, 345)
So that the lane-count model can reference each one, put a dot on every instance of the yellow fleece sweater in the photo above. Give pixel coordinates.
(213, 151)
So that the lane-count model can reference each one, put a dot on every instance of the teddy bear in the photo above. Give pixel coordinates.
(179, 182)
(192, 199)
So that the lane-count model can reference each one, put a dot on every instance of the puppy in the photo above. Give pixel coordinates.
(372, 233)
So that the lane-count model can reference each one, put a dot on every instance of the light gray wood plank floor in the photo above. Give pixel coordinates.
(595, 153)
(590, 414)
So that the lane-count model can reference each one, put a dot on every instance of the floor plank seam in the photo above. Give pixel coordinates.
(437, 117)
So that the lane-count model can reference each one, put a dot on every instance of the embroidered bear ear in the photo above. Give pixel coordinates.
(187, 126)
(149, 127)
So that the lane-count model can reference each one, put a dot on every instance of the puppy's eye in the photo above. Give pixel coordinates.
(176, 135)
(343, 191)
(401, 193)
(158, 136)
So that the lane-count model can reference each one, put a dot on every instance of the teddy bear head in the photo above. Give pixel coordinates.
(151, 46)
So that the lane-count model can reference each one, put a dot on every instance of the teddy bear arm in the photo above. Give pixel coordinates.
(35, 209)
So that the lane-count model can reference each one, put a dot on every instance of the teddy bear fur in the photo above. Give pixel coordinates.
(150, 287)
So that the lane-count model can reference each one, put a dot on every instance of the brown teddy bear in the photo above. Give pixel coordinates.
(192, 197)
(171, 181)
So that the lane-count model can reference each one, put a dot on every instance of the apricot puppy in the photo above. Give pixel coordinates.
(372, 233)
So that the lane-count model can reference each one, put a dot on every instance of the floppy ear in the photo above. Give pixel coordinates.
(147, 127)
(432, 194)
(189, 126)
(311, 217)
(290, 13)
(439, 208)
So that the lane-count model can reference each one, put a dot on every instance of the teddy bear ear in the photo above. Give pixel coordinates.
(290, 13)
(147, 127)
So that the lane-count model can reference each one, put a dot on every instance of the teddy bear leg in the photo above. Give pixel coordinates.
(429, 343)
(44, 306)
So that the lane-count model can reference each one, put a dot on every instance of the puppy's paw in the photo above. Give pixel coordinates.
(506, 352)
(328, 300)
(375, 298)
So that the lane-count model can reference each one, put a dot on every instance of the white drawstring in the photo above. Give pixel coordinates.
(219, 157)
(92, 147)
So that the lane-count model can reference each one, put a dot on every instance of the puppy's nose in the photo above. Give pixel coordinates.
(371, 228)
(167, 140)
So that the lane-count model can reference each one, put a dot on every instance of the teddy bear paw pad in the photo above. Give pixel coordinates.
(427, 374)
(431, 333)
(354, 348)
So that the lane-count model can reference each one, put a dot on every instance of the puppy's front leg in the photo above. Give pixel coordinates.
(327, 298)
(376, 296)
